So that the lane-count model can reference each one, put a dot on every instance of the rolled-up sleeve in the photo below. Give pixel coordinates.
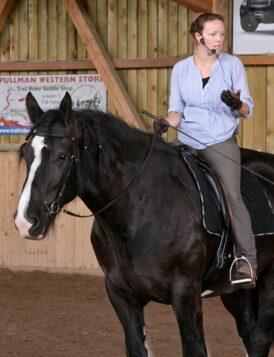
(239, 80)
(176, 103)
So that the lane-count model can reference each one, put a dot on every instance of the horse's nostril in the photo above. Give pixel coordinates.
(34, 221)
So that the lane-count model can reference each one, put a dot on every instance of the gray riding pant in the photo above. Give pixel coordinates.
(230, 174)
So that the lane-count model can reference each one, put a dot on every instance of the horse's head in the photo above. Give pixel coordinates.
(49, 153)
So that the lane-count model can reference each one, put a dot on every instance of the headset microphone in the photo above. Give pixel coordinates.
(212, 51)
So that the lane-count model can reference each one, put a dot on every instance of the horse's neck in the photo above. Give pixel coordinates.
(110, 168)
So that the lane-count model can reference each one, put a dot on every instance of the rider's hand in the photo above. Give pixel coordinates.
(232, 99)
(161, 125)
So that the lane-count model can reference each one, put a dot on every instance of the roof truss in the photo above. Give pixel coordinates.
(196, 5)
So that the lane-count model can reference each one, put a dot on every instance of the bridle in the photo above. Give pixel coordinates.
(54, 207)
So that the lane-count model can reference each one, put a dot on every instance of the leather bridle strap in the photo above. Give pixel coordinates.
(54, 207)
(116, 197)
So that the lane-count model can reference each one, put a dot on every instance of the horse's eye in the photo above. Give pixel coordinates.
(61, 157)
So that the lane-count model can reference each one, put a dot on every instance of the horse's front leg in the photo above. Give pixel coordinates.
(131, 315)
(187, 305)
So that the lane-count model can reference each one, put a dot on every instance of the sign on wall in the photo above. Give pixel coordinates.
(87, 92)
(253, 27)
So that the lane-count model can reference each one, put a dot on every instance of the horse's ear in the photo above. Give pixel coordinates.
(66, 106)
(33, 109)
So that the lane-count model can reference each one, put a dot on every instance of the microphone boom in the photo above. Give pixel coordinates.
(212, 51)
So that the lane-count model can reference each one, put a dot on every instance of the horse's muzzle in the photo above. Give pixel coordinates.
(27, 229)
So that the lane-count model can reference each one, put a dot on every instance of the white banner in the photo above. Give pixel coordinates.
(87, 92)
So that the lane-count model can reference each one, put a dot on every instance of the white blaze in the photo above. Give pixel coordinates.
(21, 223)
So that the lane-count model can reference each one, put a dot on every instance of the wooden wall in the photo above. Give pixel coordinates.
(66, 248)
(42, 30)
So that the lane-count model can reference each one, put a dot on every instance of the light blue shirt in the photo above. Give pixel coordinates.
(206, 119)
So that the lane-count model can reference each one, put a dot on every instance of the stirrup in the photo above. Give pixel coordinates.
(241, 280)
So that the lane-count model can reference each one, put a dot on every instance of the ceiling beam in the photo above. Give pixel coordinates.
(196, 5)
(5, 7)
(100, 57)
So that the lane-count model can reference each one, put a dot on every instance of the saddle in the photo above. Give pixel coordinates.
(215, 207)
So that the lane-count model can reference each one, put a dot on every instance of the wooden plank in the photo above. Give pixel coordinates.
(112, 35)
(23, 38)
(5, 8)
(33, 30)
(142, 28)
(61, 32)
(23, 30)
(132, 49)
(72, 43)
(257, 60)
(104, 65)
(182, 31)
(191, 43)
(6, 196)
(222, 7)
(196, 5)
(9, 147)
(92, 11)
(43, 32)
(5, 56)
(14, 49)
(248, 127)
(14, 34)
(81, 49)
(130, 63)
(270, 111)
(152, 75)
(102, 21)
(52, 30)
(51, 65)
(162, 52)
(259, 116)
(122, 35)
(174, 36)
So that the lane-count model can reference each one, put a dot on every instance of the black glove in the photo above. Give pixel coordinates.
(161, 126)
(232, 99)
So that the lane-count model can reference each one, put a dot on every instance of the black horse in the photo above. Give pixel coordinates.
(149, 238)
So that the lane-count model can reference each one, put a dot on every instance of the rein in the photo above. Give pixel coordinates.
(54, 207)
(154, 117)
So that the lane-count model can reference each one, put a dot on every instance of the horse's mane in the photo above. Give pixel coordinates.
(102, 121)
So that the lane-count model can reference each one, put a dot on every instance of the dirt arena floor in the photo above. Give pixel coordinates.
(54, 315)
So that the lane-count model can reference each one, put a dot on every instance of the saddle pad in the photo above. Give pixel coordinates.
(254, 196)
